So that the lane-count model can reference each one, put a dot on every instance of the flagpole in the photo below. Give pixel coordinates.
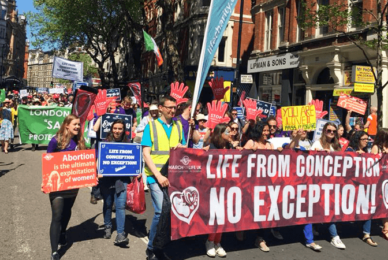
(237, 71)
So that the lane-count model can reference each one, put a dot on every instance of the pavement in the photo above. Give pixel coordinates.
(25, 217)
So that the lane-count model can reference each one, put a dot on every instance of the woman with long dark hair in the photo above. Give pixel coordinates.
(380, 146)
(329, 143)
(359, 144)
(220, 139)
(68, 138)
(114, 189)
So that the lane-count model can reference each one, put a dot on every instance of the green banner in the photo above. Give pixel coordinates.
(38, 125)
(2, 95)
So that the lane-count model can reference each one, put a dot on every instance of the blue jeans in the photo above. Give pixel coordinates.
(333, 230)
(367, 226)
(120, 199)
(157, 202)
(308, 233)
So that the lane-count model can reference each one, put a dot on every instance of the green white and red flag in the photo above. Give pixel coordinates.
(151, 45)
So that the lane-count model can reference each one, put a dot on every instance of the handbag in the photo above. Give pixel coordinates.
(136, 196)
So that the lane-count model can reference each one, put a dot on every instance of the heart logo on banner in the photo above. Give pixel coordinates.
(185, 203)
(384, 190)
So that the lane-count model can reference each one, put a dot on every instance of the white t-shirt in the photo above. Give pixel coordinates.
(318, 146)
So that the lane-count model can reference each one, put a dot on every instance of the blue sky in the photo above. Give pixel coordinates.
(25, 6)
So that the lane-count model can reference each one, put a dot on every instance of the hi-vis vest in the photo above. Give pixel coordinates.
(160, 150)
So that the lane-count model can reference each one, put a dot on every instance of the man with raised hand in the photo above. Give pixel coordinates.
(159, 137)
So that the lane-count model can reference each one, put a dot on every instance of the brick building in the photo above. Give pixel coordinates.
(40, 66)
(190, 19)
(292, 66)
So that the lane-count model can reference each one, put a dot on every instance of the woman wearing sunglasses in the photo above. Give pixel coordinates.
(359, 144)
(329, 143)
(234, 134)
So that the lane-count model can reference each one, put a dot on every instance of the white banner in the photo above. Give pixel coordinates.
(67, 69)
(56, 90)
(277, 62)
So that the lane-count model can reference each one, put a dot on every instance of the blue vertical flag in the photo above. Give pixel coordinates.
(219, 14)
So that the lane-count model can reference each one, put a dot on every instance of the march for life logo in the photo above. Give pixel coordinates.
(185, 204)
(186, 165)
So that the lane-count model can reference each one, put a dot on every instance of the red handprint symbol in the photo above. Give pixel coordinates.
(100, 102)
(251, 109)
(178, 92)
(318, 104)
(218, 89)
(216, 114)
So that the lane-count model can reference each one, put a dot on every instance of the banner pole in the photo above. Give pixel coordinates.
(237, 71)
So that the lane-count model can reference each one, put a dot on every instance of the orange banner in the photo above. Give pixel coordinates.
(68, 170)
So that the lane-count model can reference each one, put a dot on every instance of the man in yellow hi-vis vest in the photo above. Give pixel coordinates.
(159, 137)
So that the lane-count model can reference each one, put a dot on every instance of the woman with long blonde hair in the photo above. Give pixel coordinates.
(68, 138)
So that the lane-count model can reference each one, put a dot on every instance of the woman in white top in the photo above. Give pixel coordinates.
(329, 143)
(329, 139)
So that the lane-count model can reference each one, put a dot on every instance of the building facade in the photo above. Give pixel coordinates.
(292, 66)
(40, 66)
(190, 19)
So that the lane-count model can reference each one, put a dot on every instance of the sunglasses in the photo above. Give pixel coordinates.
(272, 126)
(234, 128)
(364, 139)
(329, 131)
(234, 114)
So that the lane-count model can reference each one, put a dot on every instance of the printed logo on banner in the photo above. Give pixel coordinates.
(185, 160)
(185, 204)
(48, 157)
(114, 92)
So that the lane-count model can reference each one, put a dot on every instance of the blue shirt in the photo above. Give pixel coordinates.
(146, 141)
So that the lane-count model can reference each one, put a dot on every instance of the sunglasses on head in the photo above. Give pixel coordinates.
(329, 131)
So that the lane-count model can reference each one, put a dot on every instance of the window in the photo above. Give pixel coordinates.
(3, 14)
(221, 50)
(281, 18)
(322, 30)
(355, 9)
(268, 31)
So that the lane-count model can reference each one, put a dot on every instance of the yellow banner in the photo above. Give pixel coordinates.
(366, 88)
(362, 74)
(299, 117)
(337, 92)
(227, 93)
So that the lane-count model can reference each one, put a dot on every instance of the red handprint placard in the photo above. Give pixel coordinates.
(178, 92)
(100, 102)
(218, 89)
(251, 109)
(242, 98)
(318, 104)
(216, 114)
(91, 113)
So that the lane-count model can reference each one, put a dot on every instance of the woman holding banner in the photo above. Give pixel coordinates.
(220, 139)
(329, 143)
(114, 189)
(359, 144)
(380, 146)
(68, 138)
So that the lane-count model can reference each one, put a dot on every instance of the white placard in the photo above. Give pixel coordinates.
(67, 69)
(279, 141)
(246, 79)
(56, 90)
(23, 93)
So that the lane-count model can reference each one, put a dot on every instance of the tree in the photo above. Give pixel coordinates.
(339, 17)
(97, 25)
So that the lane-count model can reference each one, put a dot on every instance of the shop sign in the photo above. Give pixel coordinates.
(363, 74)
(365, 88)
(277, 62)
(246, 79)
(339, 91)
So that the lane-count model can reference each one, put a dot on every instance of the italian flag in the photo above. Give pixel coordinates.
(150, 45)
